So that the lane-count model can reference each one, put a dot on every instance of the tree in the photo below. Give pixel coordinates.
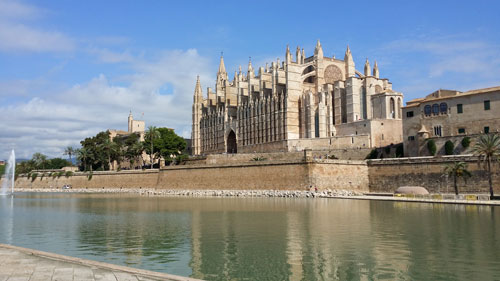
(169, 144)
(69, 151)
(152, 134)
(457, 170)
(57, 163)
(431, 146)
(465, 142)
(83, 156)
(40, 160)
(487, 148)
(449, 147)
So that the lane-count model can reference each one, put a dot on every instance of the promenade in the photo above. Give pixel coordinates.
(21, 264)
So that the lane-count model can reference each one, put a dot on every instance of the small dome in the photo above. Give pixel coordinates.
(411, 190)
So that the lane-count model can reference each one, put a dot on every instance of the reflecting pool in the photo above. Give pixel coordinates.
(261, 238)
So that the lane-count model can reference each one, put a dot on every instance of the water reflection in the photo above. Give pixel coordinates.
(262, 239)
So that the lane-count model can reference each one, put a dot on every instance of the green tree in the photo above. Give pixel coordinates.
(169, 144)
(152, 134)
(449, 147)
(40, 160)
(465, 142)
(457, 170)
(83, 156)
(431, 146)
(69, 151)
(97, 153)
(487, 148)
(57, 163)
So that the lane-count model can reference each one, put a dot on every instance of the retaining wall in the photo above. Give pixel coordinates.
(388, 174)
(374, 175)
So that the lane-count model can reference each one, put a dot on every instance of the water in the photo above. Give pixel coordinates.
(262, 238)
(10, 172)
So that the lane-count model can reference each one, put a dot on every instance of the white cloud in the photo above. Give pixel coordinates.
(16, 10)
(51, 122)
(19, 37)
(16, 35)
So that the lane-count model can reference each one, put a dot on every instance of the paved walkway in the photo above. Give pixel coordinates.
(422, 200)
(21, 264)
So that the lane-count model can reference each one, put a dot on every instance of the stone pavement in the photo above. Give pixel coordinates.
(21, 264)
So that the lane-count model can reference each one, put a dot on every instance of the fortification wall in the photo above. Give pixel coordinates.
(339, 174)
(375, 176)
(283, 176)
(122, 179)
(388, 174)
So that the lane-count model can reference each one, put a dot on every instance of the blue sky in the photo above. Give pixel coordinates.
(69, 69)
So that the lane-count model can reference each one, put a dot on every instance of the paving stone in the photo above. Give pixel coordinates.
(20, 264)
(121, 276)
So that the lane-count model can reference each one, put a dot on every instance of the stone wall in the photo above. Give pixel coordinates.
(339, 174)
(284, 175)
(388, 174)
(380, 175)
(122, 179)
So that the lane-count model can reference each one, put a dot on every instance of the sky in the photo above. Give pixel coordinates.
(70, 69)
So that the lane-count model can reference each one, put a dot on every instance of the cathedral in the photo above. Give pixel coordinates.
(315, 102)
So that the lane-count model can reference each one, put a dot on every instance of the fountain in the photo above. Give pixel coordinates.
(10, 172)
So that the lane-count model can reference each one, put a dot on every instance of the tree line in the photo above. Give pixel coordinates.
(100, 152)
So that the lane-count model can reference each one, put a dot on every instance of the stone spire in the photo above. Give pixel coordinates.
(298, 55)
(198, 93)
(375, 70)
(367, 68)
(130, 121)
(221, 76)
(349, 63)
(222, 67)
(318, 51)
(303, 55)
(250, 69)
(288, 56)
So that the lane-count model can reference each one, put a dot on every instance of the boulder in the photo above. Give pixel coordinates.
(411, 190)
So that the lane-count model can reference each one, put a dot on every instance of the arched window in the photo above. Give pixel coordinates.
(427, 110)
(392, 108)
(443, 107)
(435, 109)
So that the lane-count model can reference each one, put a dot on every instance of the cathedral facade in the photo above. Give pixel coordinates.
(315, 102)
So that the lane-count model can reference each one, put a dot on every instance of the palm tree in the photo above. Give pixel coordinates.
(83, 155)
(69, 151)
(487, 148)
(111, 151)
(152, 134)
(40, 160)
(457, 169)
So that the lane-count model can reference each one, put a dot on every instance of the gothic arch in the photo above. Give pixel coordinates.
(232, 146)
(392, 108)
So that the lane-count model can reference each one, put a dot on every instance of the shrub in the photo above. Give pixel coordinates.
(60, 174)
(68, 174)
(400, 152)
(431, 146)
(259, 159)
(89, 177)
(387, 150)
(33, 176)
(465, 142)
(449, 147)
(373, 154)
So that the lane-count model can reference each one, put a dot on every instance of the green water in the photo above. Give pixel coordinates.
(262, 239)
